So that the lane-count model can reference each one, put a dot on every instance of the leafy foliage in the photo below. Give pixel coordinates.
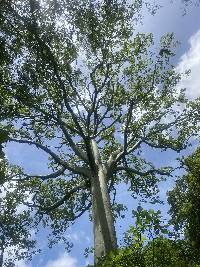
(75, 73)
(16, 241)
(147, 244)
(184, 200)
(150, 243)
(159, 252)
(148, 225)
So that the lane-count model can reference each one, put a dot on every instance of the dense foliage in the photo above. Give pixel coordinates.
(16, 239)
(150, 242)
(161, 252)
(184, 200)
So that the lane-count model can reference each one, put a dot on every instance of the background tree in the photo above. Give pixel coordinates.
(16, 241)
(148, 244)
(184, 202)
(79, 84)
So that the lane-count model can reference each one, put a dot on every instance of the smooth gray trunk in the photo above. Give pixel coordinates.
(103, 223)
(1, 257)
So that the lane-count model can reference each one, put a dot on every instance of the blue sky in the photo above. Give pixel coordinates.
(187, 30)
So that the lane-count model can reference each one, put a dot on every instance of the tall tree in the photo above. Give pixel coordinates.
(184, 202)
(79, 84)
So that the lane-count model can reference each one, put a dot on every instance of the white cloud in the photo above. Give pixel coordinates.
(22, 264)
(190, 60)
(74, 237)
(64, 260)
(79, 237)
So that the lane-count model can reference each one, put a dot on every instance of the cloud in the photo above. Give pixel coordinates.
(190, 60)
(22, 264)
(64, 260)
(79, 237)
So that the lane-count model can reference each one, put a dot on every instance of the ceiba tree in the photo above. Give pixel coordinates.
(81, 85)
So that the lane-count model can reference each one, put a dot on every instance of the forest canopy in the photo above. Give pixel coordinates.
(79, 84)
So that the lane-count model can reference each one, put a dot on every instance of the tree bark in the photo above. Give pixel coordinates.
(2, 246)
(1, 256)
(103, 223)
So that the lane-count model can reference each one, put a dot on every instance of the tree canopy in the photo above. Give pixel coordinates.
(184, 202)
(16, 240)
(80, 85)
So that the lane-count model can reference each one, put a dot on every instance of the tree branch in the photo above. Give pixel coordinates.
(107, 127)
(65, 198)
(83, 211)
(73, 168)
(79, 152)
(151, 171)
(171, 146)
(122, 153)
(129, 115)
(32, 28)
(42, 177)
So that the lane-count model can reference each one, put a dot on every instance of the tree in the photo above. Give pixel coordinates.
(162, 252)
(80, 85)
(184, 200)
(147, 244)
(167, 253)
(15, 238)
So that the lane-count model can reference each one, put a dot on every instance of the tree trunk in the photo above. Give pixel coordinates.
(103, 223)
(1, 256)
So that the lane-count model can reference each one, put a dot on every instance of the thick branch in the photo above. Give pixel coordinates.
(97, 90)
(73, 168)
(43, 177)
(80, 153)
(65, 198)
(112, 161)
(123, 152)
(129, 115)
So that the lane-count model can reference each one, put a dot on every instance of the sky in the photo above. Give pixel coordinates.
(169, 18)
